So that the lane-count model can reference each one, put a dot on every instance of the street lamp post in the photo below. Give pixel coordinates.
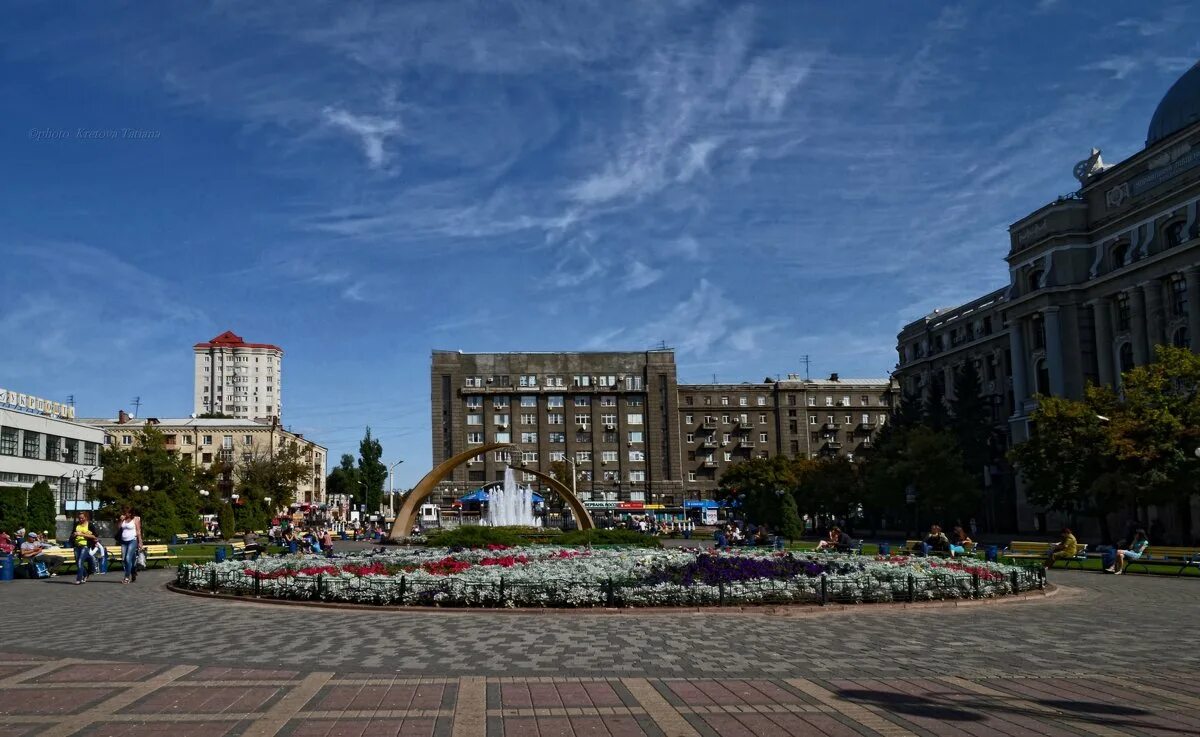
(392, 489)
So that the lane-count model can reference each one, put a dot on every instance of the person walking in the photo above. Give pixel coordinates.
(129, 534)
(81, 540)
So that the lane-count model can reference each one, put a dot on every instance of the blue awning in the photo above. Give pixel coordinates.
(700, 504)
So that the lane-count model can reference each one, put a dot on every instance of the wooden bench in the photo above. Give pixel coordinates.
(969, 549)
(159, 552)
(1167, 555)
(1032, 550)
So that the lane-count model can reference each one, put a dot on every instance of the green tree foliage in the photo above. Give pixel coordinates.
(226, 520)
(13, 511)
(790, 524)
(371, 472)
(272, 474)
(172, 504)
(971, 421)
(754, 484)
(42, 508)
(344, 479)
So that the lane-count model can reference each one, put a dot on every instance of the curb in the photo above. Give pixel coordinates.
(776, 610)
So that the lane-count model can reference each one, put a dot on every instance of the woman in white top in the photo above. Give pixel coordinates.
(129, 534)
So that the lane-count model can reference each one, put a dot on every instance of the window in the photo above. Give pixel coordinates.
(583, 400)
(845, 401)
(846, 419)
(583, 437)
(474, 419)
(500, 402)
(691, 437)
(728, 456)
(633, 383)
(1043, 377)
(812, 419)
(503, 456)
(1119, 254)
(583, 420)
(187, 439)
(609, 437)
(707, 401)
(89, 454)
(474, 437)
(635, 436)
(724, 401)
(557, 437)
(1179, 300)
(583, 456)
(637, 476)
(725, 420)
(691, 475)
(609, 456)
(555, 381)
(529, 437)
(812, 402)
(247, 440)
(474, 381)
(689, 400)
(608, 419)
(581, 380)
(633, 402)
(607, 381)
(557, 456)
(762, 419)
(743, 402)
(689, 419)
(1035, 280)
(882, 419)
(8, 441)
(1122, 311)
(528, 419)
(502, 437)
(555, 401)
(1039, 332)
(608, 400)
(760, 401)
(527, 380)
(227, 442)
(726, 437)
(866, 419)
(864, 400)
(634, 418)
(554, 418)
(206, 457)
(501, 420)
(529, 456)
(1181, 339)
(1126, 357)
(828, 401)
(1174, 233)
(528, 401)
(528, 477)
(205, 440)
(762, 437)
(474, 403)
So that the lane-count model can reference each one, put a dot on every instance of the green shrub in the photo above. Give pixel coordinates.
(42, 507)
(579, 538)
(13, 512)
(476, 536)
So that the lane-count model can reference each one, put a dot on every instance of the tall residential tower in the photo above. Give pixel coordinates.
(238, 379)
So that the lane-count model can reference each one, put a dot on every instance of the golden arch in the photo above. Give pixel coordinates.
(412, 501)
(581, 514)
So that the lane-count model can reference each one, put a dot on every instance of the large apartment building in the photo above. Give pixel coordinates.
(632, 433)
(223, 443)
(238, 379)
(1097, 279)
(41, 441)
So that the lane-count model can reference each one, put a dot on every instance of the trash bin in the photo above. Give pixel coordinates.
(885, 549)
(293, 546)
(991, 554)
(6, 568)
(219, 555)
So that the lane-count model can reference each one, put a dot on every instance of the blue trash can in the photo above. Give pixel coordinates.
(219, 555)
(293, 546)
(6, 568)
(991, 554)
(885, 549)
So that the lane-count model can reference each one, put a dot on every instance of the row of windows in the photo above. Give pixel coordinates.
(238, 359)
(478, 437)
(813, 401)
(39, 446)
(532, 381)
(581, 456)
(557, 418)
(554, 401)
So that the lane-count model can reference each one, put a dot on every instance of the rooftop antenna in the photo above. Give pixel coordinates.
(804, 360)
(714, 378)
(137, 405)
(71, 399)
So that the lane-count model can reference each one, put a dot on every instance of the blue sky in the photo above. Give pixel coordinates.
(361, 184)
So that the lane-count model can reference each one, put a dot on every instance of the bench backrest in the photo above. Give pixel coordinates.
(1167, 551)
(1040, 548)
(238, 544)
(157, 550)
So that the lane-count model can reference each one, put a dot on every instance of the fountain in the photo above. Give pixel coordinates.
(512, 504)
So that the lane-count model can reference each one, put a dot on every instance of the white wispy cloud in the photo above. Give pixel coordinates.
(1119, 67)
(640, 276)
(372, 132)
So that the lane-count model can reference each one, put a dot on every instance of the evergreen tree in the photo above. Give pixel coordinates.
(343, 480)
(42, 509)
(971, 421)
(790, 524)
(13, 510)
(371, 472)
(935, 414)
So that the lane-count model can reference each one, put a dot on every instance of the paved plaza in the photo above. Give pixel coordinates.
(1104, 656)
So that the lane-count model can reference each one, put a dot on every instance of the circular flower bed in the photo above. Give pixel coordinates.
(563, 577)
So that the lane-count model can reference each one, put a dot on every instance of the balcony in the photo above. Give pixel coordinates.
(708, 425)
(709, 464)
(745, 443)
(745, 423)
(708, 443)
(834, 426)
(833, 445)
(866, 426)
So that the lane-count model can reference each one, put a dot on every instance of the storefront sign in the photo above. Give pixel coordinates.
(36, 405)
(631, 505)
(600, 505)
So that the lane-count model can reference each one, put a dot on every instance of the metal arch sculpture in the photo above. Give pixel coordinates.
(577, 508)
(412, 501)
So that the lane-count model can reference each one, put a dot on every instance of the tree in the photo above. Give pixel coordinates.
(13, 509)
(754, 484)
(172, 503)
(267, 475)
(790, 524)
(343, 480)
(971, 421)
(371, 472)
(42, 509)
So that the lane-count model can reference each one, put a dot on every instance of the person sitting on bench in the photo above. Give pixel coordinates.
(33, 552)
(935, 542)
(958, 542)
(1135, 551)
(1065, 549)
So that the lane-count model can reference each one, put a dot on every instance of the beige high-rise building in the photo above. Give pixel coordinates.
(238, 379)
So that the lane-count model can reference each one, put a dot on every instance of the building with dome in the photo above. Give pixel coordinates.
(1097, 279)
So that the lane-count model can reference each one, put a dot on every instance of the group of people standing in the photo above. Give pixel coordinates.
(42, 559)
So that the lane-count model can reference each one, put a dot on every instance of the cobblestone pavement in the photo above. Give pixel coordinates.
(1107, 656)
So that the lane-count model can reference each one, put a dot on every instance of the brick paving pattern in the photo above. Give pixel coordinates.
(167, 664)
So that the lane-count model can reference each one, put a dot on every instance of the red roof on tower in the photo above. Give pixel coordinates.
(230, 339)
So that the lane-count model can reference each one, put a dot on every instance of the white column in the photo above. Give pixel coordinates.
(1020, 366)
(1102, 322)
(1054, 352)
(1192, 277)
